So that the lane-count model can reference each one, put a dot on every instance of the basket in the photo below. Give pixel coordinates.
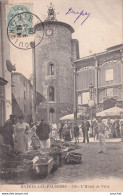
(74, 158)
(29, 155)
(62, 156)
(55, 156)
(43, 169)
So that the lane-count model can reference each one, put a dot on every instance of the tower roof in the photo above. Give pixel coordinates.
(51, 19)
(39, 25)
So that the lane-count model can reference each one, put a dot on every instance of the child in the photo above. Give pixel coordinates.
(35, 142)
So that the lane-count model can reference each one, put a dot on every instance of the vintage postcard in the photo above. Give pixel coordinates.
(61, 95)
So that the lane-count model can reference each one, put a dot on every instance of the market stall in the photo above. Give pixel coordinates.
(111, 120)
(111, 112)
(36, 164)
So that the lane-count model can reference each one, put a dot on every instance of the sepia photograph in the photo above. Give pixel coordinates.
(61, 95)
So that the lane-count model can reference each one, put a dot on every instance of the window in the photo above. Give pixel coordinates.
(51, 115)
(109, 75)
(110, 92)
(51, 93)
(79, 99)
(85, 97)
(51, 69)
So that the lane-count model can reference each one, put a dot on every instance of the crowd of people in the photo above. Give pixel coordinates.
(21, 136)
(100, 130)
(112, 128)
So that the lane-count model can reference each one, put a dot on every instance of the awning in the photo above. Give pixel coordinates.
(115, 111)
(70, 117)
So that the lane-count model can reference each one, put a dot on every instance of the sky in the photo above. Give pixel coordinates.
(101, 30)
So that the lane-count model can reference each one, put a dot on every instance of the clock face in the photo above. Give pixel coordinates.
(49, 32)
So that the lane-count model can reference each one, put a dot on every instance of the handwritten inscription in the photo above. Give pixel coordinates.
(81, 14)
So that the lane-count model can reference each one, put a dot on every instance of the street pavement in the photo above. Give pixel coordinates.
(94, 165)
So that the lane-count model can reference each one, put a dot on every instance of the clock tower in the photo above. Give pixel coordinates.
(54, 73)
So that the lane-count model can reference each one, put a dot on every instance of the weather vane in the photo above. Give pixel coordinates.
(51, 13)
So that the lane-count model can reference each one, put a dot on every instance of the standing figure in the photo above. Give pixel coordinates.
(35, 143)
(8, 131)
(109, 124)
(69, 131)
(95, 130)
(113, 129)
(54, 131)
(117, 128)
(76, 133)
(72, 130)
(101, 132)
(20, 136)
(85, 130)
(43, 131)
(60, 130)
(121, 129)
(66, 132)
(109, 127)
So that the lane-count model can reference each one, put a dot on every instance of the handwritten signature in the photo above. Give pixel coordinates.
(82, 13)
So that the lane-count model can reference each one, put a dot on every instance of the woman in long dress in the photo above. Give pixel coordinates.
(20, 135)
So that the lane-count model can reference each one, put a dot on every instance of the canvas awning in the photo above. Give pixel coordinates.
(115, 111)
(70, 117)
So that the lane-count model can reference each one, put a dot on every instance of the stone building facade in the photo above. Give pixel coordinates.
(54, 73)
(105, 72)
(22, 92)
(5, 75)
(22, 97)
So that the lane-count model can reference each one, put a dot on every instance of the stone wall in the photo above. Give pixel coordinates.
(55, 49)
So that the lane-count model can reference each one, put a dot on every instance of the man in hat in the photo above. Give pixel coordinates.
(76, 133)
(85, 128)
(8, 131)
(43, 131)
